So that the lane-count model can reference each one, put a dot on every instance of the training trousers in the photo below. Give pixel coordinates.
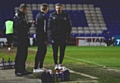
(21, 56)
(9, 39)
(61, 44)
(41, 52)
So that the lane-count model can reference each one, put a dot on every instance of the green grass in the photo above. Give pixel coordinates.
(88, 60)
(99, 56)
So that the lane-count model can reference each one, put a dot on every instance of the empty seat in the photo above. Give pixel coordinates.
(99, 32)
(97, 25)
(34, 8)
(80, 31)
(103, 25)
(99, 15)
(85, 6)
(91, 6)
(79, 5)
(104, 28)
(92, 11)
(29, 5)
(87, 15)
(98, 28)
(94, 14)
(80, 8)
(80, 28)
(38, 5)
(74, 28)
(64, 6)
(97, 9)
(92, 31)
(87, 32)
(99, 12)
(34, 5)
(93, 34)
(91, 25)
(51, 5)
(74, 31)
(87, 11)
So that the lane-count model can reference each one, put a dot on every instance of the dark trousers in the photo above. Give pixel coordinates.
(20, 59)
(109, 42)
(41, 52)
(9, 39)
(58, 43)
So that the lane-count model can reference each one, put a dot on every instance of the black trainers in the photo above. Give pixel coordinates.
(26, 72)
(23, 73)
(18, 74)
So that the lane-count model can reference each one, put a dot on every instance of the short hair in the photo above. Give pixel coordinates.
(44, 6)
(23, 6)
(58, 4)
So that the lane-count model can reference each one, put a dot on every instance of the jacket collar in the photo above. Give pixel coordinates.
(21, 13)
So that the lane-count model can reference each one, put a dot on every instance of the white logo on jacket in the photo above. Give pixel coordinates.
(65, 18)
(53, 17)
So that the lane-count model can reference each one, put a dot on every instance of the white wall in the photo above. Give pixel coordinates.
(90, 41)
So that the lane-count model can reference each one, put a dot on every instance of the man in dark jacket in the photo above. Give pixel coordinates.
(108, 39)
(41, 35)
(21, 28)
(59, 27)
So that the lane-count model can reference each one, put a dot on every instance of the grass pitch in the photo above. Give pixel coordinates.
(101, 62)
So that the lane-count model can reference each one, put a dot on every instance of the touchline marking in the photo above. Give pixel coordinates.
(84, 61)
(83, 74)
(82, 81)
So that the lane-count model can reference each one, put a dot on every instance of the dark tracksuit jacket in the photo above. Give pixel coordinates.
(59, 25)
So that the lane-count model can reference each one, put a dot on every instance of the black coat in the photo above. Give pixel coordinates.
(59, 25)
(41, 26)
(21, 28)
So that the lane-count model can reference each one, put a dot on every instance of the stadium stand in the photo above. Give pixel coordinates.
(90, 18)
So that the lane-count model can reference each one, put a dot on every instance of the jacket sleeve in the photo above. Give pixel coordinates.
(69, 26)
(50, 25)
(38, 22)
(29, 25)
(20, 24)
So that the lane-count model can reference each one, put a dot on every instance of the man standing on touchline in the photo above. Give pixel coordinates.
(41, 35)
(21, 29)
(59, 28)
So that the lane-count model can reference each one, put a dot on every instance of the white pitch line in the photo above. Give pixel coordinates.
(83, 74)
(82, 81)
(84, 61)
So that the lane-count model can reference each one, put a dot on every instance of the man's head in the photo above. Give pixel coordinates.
(108, 32)
(44, 8)
(58, 8)
(23, 8)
